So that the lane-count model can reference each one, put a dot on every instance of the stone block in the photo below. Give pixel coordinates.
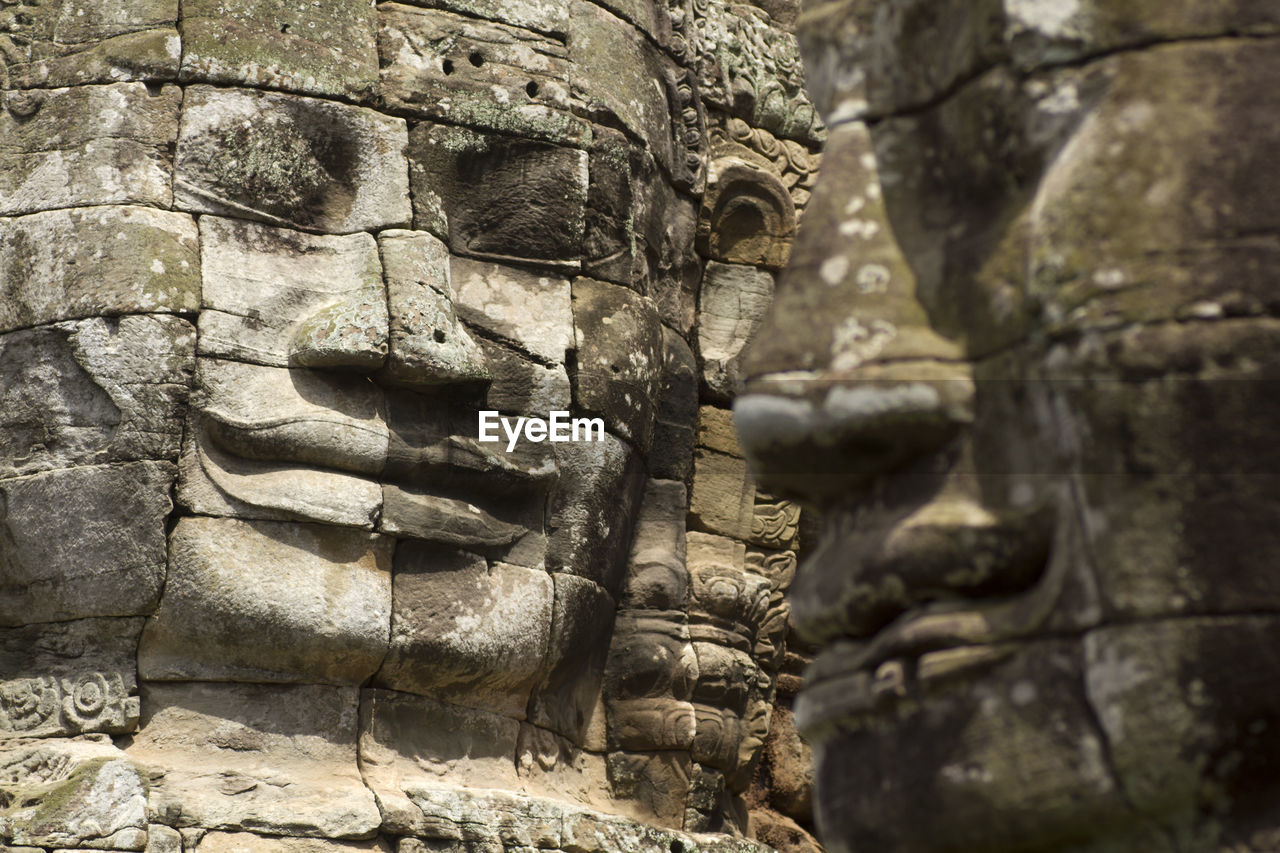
(74, 42)
(66, 678)
(428, 346)
(671, 456)
(499, 197)
(93, 391)
(548, 18)
(97, 261)
(471, 72)
(101, 554)
(275, 759)
(246, 842)
(466, 632)
(620, 357)
(89, 145)
(655, 784)
(656, 577)
(715, 431)
(326, 49)
(581, 621)
(523, 386)
(666, 267)
(623, 78)
(722, 499)
(407, 740)
(270, 602)
(731, 307)
(279, 297)
(291, 161)
(89, 794)
(592, 510)
(530, 311)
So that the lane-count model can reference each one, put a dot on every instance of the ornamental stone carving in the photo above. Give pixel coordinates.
(265, 266)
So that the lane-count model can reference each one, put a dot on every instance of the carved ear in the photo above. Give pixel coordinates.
(747, 215)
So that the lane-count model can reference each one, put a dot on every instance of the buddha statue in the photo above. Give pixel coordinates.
(266, 267)
(1022, 360)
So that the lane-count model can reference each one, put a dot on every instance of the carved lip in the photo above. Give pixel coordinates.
(868, 674)
(363, 448)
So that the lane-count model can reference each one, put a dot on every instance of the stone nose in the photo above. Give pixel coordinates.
(428, 344)
(405, 329)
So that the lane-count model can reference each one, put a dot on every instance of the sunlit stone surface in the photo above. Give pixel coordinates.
(262, 265)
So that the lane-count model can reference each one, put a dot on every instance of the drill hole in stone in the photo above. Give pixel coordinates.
(447, 65)
(476, 59)
(532, 89)
(284, 28)
(439, 335)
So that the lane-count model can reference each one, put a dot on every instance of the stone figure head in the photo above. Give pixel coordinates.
(1023, 358)
(262, 267)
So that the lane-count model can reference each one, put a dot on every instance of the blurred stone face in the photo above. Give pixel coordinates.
(1024, 358)
(262, 265)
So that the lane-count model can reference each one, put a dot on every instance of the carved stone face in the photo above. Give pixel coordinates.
(261, 266)
(1022, 357)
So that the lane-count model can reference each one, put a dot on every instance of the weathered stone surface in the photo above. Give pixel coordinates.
(90, 41)
(102, 555)
(245, 842)
(273, 443)
(620, 349)
(556, 768)
(291, 161)
(464, 71)
(722, 497)
(93, 391)
(581, 620)
(1059, 775)
(428, 346)
(655, 783)
(64, 793)
(671, 456)
(1168, 696)
(467, 632)
(731, 307)
(790, 762)
(623, 78)
(66, 678)
(325, 49)
(297, 603)
(89, 145)
(523, 386)
(415, 514)
(715, 431)
(498, 197)
(649, 679)
(278, 297)
(278, 759)
(591, 512)
(413, 740)
(531, 311)
(163, 839)
(548, 18)
(1039, 35)
(656, 577)
(96, 262)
